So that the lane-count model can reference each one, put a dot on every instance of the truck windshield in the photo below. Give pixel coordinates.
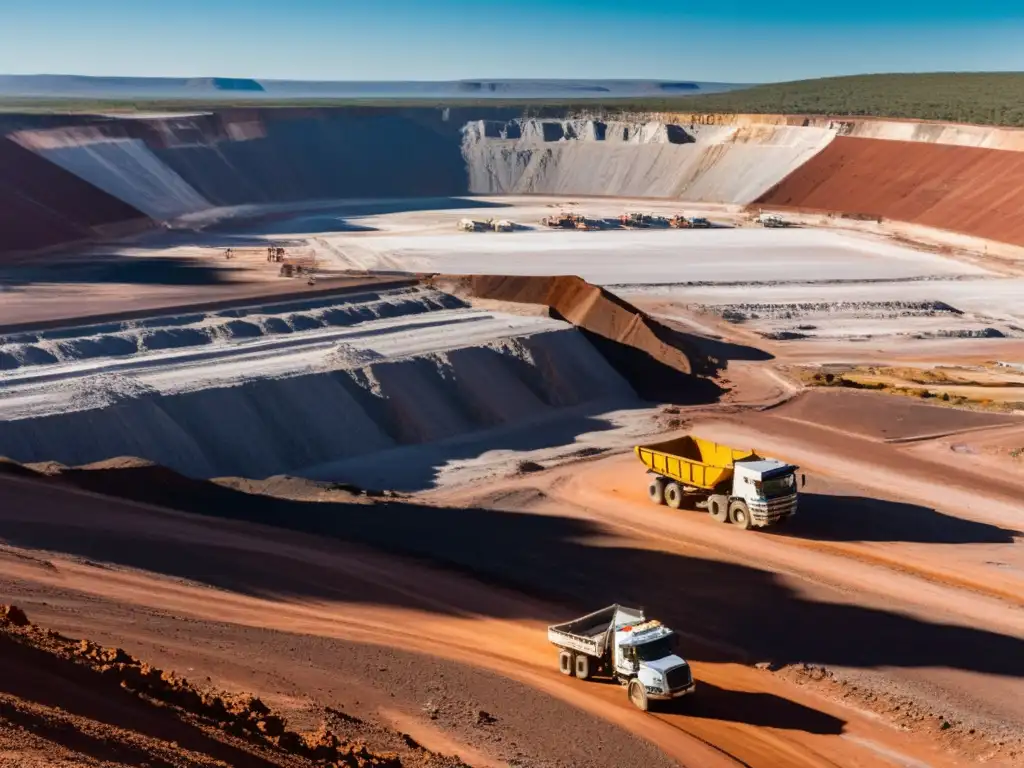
(777, 486)
(656, 649)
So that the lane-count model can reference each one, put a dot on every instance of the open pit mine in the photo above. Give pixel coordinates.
(320, 427)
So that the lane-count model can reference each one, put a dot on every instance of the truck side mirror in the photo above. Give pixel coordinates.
(803, 480)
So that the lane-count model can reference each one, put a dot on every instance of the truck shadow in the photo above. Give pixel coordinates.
(711, 702)
(858, 518)
(751, 708)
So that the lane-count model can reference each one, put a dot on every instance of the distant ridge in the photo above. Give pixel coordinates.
(79, 86)
(226, 84)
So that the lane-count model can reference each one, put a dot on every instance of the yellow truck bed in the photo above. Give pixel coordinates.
(692, 460)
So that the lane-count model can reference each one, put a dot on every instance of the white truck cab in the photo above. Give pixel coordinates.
(768, 487)
(646, 652)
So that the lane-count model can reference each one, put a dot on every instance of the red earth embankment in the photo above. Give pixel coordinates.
(66, 701)
(658, 362)
(964, 189)
(42, 205)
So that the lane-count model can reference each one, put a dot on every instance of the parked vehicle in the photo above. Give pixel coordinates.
(771, 220)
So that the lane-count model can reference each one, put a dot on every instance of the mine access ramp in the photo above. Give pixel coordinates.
(620, 643)
(735, 485)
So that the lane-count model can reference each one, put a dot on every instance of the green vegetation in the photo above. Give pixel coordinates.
(987, 98)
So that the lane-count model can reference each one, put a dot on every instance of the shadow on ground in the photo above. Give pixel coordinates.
(111, 268)
(739, 613)
(323, 219)
(710, 356)
(857, 518)
(765, 710)
(418, 467)
(827, 517)
(651, 378)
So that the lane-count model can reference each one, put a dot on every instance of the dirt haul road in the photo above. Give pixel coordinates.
(908, 588)
(289, 614)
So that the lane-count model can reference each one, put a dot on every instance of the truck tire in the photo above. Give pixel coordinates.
(638, 695)
(673, 495)
(656, 490)
(565, 662)
(740, 515)
(718, 508)
(582, 666)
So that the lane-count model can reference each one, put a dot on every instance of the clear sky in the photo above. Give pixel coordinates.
(723, 40)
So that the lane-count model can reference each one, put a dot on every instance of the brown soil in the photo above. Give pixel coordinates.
(311, 624)
(65, 699)
(89, 303)
(946, 386)
(660, 363)
(584, 534)
(884, 417)
(964, 189)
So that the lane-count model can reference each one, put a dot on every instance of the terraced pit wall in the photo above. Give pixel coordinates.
(304, 386)
(965, 189)
(106, 175)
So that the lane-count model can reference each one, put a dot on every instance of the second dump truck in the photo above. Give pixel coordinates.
(734, 485)
(620, 643)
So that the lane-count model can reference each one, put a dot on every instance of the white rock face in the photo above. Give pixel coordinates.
(280, 388)
(724, 164)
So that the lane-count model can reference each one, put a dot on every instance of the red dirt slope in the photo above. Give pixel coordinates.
(964, 189)
(73, 700)
(659, 363)
(42, 205)
(585, 306)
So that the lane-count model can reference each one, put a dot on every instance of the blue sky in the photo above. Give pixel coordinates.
(738, 41)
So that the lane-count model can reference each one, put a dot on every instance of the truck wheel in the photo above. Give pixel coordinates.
(565, 662)
(583, 667)
(673, 495)
(740, 515)
(718, 508)
(638, 695)
(656, 490)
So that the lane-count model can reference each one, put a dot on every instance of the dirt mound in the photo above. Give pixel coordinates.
(52, 683)
(963, 189)
(656, 361)
(145, 482)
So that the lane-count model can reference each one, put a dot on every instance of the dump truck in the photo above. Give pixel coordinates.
(771, 220)
(621, 644)
(468, 225)
(561, 221)
(734, 485)
(699, 222)
(636, 220)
